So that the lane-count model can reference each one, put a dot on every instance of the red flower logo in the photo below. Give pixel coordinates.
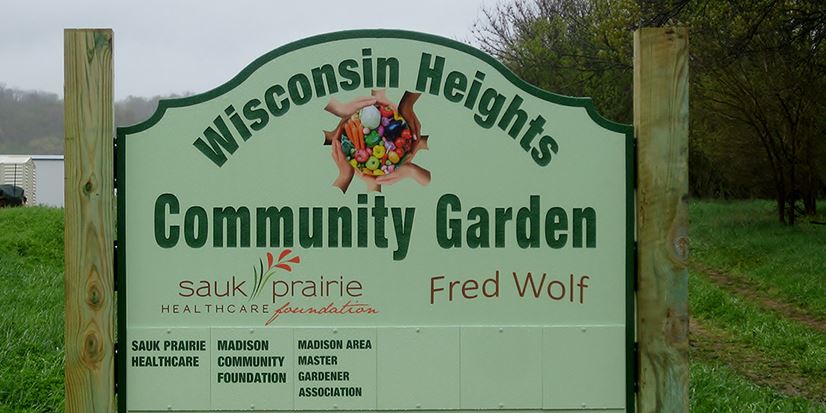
(262, 275)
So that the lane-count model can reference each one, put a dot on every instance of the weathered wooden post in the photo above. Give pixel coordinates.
(661, 123)
(89, 221)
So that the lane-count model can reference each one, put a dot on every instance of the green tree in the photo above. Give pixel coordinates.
(760, 73)
(575, 48)
(757, 73)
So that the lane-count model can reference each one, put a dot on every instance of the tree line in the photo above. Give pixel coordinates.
(757, 73)
(31, 122)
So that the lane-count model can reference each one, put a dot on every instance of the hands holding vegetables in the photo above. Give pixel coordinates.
(381, 158)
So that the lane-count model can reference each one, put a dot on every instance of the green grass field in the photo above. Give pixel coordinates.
(744, 239)
(31, 310)
(757, 299)
(757, 296)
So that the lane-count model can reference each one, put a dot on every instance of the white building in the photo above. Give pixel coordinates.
(19, 170)
(49, 179)
(45, 179)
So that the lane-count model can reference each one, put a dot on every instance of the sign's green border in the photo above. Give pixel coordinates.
(585, 102)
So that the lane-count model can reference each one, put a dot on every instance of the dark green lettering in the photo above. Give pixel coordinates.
(161, 204)
(340, 218)
(528, 219)
(556, 220)
(489, 107)
(542, 155)
(502, 216)
(346, 70)
(478, 233)
(455, 86)
(514, 110)
(229, 217)
(379, 214)
(277, 108)
(258, 116)
(367, 67)
(448, 231)
(323, 74)
(305, 239)
(387, 68)
(280, 224)
(433, 74)
(300, 89)
(589, 216)
(217, 140)
(196, 237)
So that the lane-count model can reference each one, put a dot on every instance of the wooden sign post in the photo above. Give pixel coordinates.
(89, 222)
(661, 124)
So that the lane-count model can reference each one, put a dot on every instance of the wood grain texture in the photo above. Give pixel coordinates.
(89, 221)
(661, 125)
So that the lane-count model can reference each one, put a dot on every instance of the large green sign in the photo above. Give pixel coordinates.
(375, 220)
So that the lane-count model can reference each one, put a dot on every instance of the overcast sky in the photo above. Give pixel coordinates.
(175, 46)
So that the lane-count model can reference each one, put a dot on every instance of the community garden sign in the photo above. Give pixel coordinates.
(375, 221)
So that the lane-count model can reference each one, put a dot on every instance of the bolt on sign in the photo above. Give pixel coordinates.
(375, 220)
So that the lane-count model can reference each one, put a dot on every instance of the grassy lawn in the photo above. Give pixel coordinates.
(785, 265)
(31, 309)
(745, 239)
(783, 340)
(761, 361)
(716, 388)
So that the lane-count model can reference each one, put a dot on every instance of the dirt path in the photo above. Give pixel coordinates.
(709, 343)
(750, 291)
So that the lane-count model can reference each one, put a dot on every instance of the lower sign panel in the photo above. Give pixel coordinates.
(503, 368)
(160, 360)
(335, 369)
(427, 356)
(588, 377)
(252, 369)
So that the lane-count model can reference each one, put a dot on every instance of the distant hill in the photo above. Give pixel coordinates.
(31, 121)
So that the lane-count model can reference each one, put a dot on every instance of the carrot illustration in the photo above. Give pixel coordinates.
(360, 132)
(351, 129)
(349, 133)
(348, 127)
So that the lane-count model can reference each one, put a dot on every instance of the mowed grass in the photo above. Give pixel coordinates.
(789, 265)
(746, 239)
(799, 350)
(782, 339)
(715, 388)
(31, 310)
